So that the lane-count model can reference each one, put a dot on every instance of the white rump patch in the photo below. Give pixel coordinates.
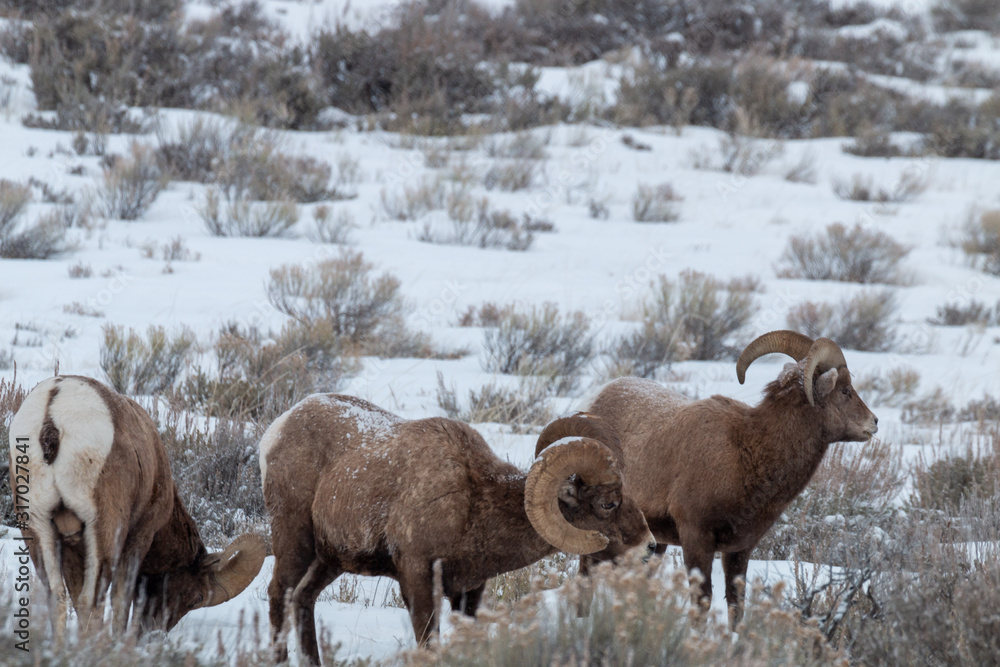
(270, 438)
(86, 432)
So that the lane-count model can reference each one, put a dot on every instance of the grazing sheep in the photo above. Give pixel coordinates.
(714, 475)
(353, 488)
(103, 510)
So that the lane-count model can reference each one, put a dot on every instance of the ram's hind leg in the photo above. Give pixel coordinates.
(125, 574)
(72, 564)
(468, 602)
(44, 548)
(290, 566)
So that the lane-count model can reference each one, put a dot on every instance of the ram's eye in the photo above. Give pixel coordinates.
(609, 506)
(845, 391)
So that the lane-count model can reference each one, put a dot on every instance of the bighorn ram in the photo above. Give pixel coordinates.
(353, 488)
(102, 510)
(714, 475)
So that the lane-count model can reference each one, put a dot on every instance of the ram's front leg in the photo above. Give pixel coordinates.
(417, 588)
(735, 567)
(699, 550)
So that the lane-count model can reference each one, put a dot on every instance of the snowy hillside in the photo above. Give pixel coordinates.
(562, 205)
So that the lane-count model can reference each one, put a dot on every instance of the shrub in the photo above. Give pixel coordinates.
(694, 318)
(634, 617)
(951, 15)
(655, 203)
(248, 163)
(487, 315)
(41, 240)
(131, 184)
(481, 226)
(933, 600)
(11, 396)
(84, 65)
(892, 389)
(540, 342)
(947, 482)
(82, 309)
(872, 142)
(743, 153)
(931, 408)
(521, 146)
(959, 130)
(430, 194)
(134, 365)
(258, 376)
(959, 314)
(654, 93)
(242, 217)
(864, 322)
(216, 468)
(981, 240)
(199, 148)
(855, 488)
(856, 255)
(255, 167)
(177, 251)
(862, 188)
(985, 409)
(426, 67)
(597, 209)
(341, 294)
(804, 170)
(523, 408)
(80, 270)
(511, 176)
(239, 61)
(332, 229)
(14, 198)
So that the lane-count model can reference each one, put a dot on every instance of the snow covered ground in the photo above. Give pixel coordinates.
(729, 226)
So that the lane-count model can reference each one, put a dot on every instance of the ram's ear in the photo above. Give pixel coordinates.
(826, 383)
(569, 492)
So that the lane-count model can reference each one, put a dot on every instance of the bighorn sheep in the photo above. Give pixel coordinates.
(353, 488)
(103, 510)
(714, 474)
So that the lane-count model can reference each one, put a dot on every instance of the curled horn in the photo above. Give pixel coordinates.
(824, 355)
(582, 425)
(792, 343)
(595, 464)
(237, 567)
